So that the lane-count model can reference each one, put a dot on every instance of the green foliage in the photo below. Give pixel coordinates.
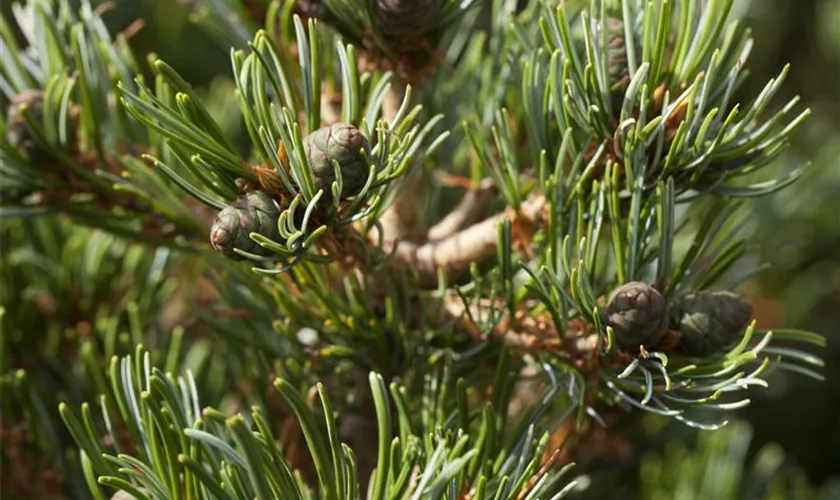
(84, 297)
(611, 133)
(211, 164)
(84, 132)
(615, 213)
(719, 468)
(182, 451)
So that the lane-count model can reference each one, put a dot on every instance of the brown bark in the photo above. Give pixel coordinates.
(455, 253)
(402, 220)
(473, 207)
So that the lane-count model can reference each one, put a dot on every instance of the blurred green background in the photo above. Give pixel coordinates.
(798, 229)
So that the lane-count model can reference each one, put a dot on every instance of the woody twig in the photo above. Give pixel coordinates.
(454, 254)
(473, 208)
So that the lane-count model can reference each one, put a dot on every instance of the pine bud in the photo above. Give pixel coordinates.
(405, 18)
(710, 322)
(638, 315)
(255, 212)
(342, 143)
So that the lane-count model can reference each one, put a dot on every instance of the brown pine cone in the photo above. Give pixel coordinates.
(710, 322)
(638, 315)
(405, 18)
(255, 212)
(344, 144)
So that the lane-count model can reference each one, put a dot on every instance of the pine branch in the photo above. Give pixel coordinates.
(66, 145)
(610, 136)
(452, 256)
(473, 207)
(181, 450)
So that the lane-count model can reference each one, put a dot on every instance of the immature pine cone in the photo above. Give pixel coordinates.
(710, 322)
(638, 315)
(405, 18)
(343, 143)
(255, 212)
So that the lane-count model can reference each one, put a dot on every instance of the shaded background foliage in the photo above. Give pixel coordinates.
(803, 286)
(800, 226)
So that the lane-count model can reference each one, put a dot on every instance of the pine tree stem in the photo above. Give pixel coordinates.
(402, 220)
(574, 345)
(473, 207)
(330, 108)
(455, 253)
